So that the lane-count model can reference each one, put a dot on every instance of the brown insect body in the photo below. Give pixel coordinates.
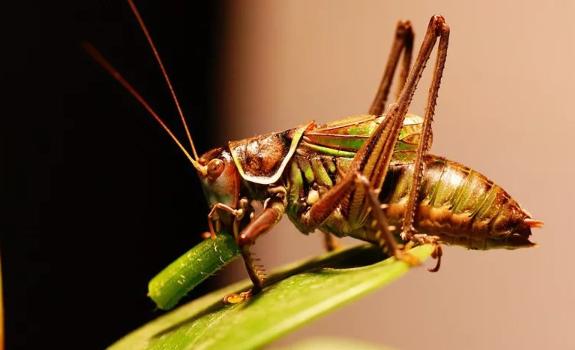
(455, 203)
(459, 205)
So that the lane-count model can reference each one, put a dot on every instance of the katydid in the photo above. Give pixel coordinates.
(370, 177)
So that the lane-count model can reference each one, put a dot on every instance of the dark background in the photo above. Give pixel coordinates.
(95, 198)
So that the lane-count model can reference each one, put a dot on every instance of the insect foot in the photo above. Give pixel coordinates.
(436, 254)
(236, 298)
(418, 239)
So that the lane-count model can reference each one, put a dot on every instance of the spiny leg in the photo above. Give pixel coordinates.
(402, 43)
(385, 236)
(237, 215)
(374, 157)
(441, 30)
(258, 226)
(386, 239)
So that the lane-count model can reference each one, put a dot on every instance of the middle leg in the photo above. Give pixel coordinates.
(330, 243)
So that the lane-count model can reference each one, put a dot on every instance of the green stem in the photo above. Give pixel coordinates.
(191, 269)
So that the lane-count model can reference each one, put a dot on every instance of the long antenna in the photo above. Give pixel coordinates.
(164, 73)
(102, 61)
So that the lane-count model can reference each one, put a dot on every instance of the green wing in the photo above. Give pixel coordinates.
(344, 137)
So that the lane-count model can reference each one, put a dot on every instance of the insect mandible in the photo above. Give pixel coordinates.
(370, 177)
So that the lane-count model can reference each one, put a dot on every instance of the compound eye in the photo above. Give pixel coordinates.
(215, 168)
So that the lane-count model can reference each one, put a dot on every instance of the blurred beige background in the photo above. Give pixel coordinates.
(505, 109)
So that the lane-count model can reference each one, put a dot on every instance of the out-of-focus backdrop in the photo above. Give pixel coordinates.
(504, 109)
(95, 199)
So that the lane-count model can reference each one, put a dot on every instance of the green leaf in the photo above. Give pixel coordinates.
(296, 294)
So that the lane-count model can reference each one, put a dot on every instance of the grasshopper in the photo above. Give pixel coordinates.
(370, 177)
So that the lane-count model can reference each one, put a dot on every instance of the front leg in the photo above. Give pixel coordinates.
(247, 237)
(214, 218)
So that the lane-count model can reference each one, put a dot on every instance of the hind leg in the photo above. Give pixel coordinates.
(441, 30)
(402, 45)
(372, 160)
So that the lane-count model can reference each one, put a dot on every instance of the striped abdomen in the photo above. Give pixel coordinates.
(459, 205)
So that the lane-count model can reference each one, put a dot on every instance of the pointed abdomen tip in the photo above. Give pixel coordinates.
(532, 223)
